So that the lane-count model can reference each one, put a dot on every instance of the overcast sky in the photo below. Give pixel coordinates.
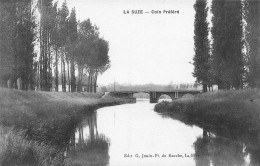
(144, 48)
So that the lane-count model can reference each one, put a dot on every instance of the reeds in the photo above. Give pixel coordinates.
(16, 150)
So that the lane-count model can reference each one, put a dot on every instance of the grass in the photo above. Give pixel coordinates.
(15, 150)
(233, 117)
(42, 119)
(235, 111)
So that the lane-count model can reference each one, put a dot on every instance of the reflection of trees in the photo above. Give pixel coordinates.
(202, 150)
(255, 156)
(226, 148)
(253, 148)
(91, 123)
(219, 151)
(92, 150)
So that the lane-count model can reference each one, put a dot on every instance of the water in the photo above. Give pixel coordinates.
(135, 135)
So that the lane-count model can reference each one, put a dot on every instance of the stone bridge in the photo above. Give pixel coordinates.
(155, 95)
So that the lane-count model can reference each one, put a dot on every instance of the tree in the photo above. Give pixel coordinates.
(7, 26)
(17, 42)
(72, 30)
(87, 34)
(63, 34)
(100, 61)
(55, 43)
(253, 40)
(46, 27)
(201, 43)
(227, 33)
(24, 44)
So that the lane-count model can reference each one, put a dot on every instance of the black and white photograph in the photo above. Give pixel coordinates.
(129, 82)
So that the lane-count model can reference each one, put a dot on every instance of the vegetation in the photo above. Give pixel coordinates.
(233, 60)
(91, 152)
(62, 42)
(17, 39)
(253, 43)
(227, 34)
(45, 120)
(230, 123)
(201, 42)
(234, 111)
(15, 150)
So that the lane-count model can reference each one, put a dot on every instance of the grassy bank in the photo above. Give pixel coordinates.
(42, 120)
(224, 112)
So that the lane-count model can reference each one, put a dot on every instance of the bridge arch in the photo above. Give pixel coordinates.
(165, 97)
(155, 96)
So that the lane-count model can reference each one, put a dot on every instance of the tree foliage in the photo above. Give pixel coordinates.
(201, 43)
(253, 40)
(17, 38)
(91, 54)
(64, 45)
(227, 33)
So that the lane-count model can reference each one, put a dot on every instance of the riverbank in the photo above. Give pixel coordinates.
(36, 126)
(227, 113)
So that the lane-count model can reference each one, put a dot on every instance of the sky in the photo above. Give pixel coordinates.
(143, 48)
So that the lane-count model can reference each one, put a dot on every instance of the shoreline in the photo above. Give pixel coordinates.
(231, 117)
(228, 113)
(39, 125)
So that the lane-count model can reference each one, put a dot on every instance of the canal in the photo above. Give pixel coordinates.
(135, 135)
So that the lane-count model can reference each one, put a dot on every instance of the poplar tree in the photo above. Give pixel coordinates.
(253, 39)
(46, 27)
(7, 26)
(63, 34)
(227, 33)
(72, 30)
(201, 44)
(17, 43)
(55, 43)
(24, 44)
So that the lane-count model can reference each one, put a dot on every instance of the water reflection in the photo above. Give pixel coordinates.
(90, 147)
(136, 129)
(217, 149)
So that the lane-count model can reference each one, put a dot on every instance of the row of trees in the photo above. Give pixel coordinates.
(64, 45)
(232, 58)
(148, 87)
(17, 38)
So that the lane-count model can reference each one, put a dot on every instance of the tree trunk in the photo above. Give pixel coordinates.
(56, 71)
(91, 82)
(49, 62)
(72, 73)
(68, 68)
(95, 81)
(205, 133)
(80, 72)
(63, 72)
(64, 75)
(88, 84)
(205, 87)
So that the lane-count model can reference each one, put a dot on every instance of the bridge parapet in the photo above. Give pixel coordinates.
(155, 95)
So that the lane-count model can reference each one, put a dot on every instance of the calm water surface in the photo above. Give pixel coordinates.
(137, 136)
